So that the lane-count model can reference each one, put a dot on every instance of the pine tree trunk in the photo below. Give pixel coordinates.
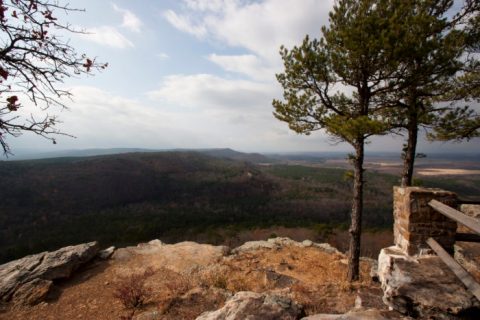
(410, 151)
(357, 209)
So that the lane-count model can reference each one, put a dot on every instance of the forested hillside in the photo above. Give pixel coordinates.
(128, 198)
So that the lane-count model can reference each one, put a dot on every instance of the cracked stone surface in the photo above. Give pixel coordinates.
(422, 286)
(44, 266)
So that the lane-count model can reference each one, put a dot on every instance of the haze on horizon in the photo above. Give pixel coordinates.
(192, 74)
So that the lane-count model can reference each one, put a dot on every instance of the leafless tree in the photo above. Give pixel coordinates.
(35, 59)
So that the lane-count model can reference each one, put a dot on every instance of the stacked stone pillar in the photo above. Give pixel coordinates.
(414, 280)
(416, 221)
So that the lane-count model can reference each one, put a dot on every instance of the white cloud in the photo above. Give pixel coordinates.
(260, 27)
(247, 64)
(201, 110)
(121, 121)
(130, 20)
(162, 55)
(133, 123)
(101, 119)
(225, 112)
(205, 5)
(183, 23)
(208, 92)
(241, 109)
(108, 36)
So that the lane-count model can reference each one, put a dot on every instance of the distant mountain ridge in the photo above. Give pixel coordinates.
(30, 155)
(223, 153)
(228, 153)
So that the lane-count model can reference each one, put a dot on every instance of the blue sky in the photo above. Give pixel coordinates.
(191, 74)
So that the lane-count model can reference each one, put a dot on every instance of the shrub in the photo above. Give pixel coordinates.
(179, 284)
(214, 278)
(220, 281)
(131, 289)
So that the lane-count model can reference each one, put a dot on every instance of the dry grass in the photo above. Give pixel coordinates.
(131, 290)
(319, 285)
(178, 284)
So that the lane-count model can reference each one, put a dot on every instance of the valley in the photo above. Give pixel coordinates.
(212, 196)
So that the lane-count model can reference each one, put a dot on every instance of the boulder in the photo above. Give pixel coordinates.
(123, 254)
(468, 255)
(254, 245)
(472, 210)
(156, 242)
(421, 286)
(44, 266)
(106, 253)
(32, 292)
(255, 306)
(278, 280)
(61, 263)
(307, 243)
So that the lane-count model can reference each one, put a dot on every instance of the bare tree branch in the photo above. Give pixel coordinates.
(34, 61)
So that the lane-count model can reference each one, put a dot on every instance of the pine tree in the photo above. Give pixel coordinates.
(348, 57)
(434, 76)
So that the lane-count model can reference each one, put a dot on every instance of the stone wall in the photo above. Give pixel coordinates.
(414, 281)
(415, 221)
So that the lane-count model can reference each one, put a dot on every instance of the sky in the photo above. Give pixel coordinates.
(191, 74)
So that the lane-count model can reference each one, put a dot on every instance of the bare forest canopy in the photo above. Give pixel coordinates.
(127, 198)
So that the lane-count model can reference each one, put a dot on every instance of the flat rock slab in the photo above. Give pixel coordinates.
(371, 314)
(422, 286)
(44, 266)
(177, 257)
(279, 242)
(255, 306)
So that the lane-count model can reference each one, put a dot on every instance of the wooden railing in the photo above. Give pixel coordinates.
(470, 223)
(464, 201)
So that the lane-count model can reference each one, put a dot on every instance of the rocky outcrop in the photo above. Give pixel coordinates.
(421, 286)
(277, 243)
(468, 253)
(177, 257)
(472, 210)
(106, 253)
(28, 280)
(255, 306)
(278, 280)
(371, 314)
(31, 293)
